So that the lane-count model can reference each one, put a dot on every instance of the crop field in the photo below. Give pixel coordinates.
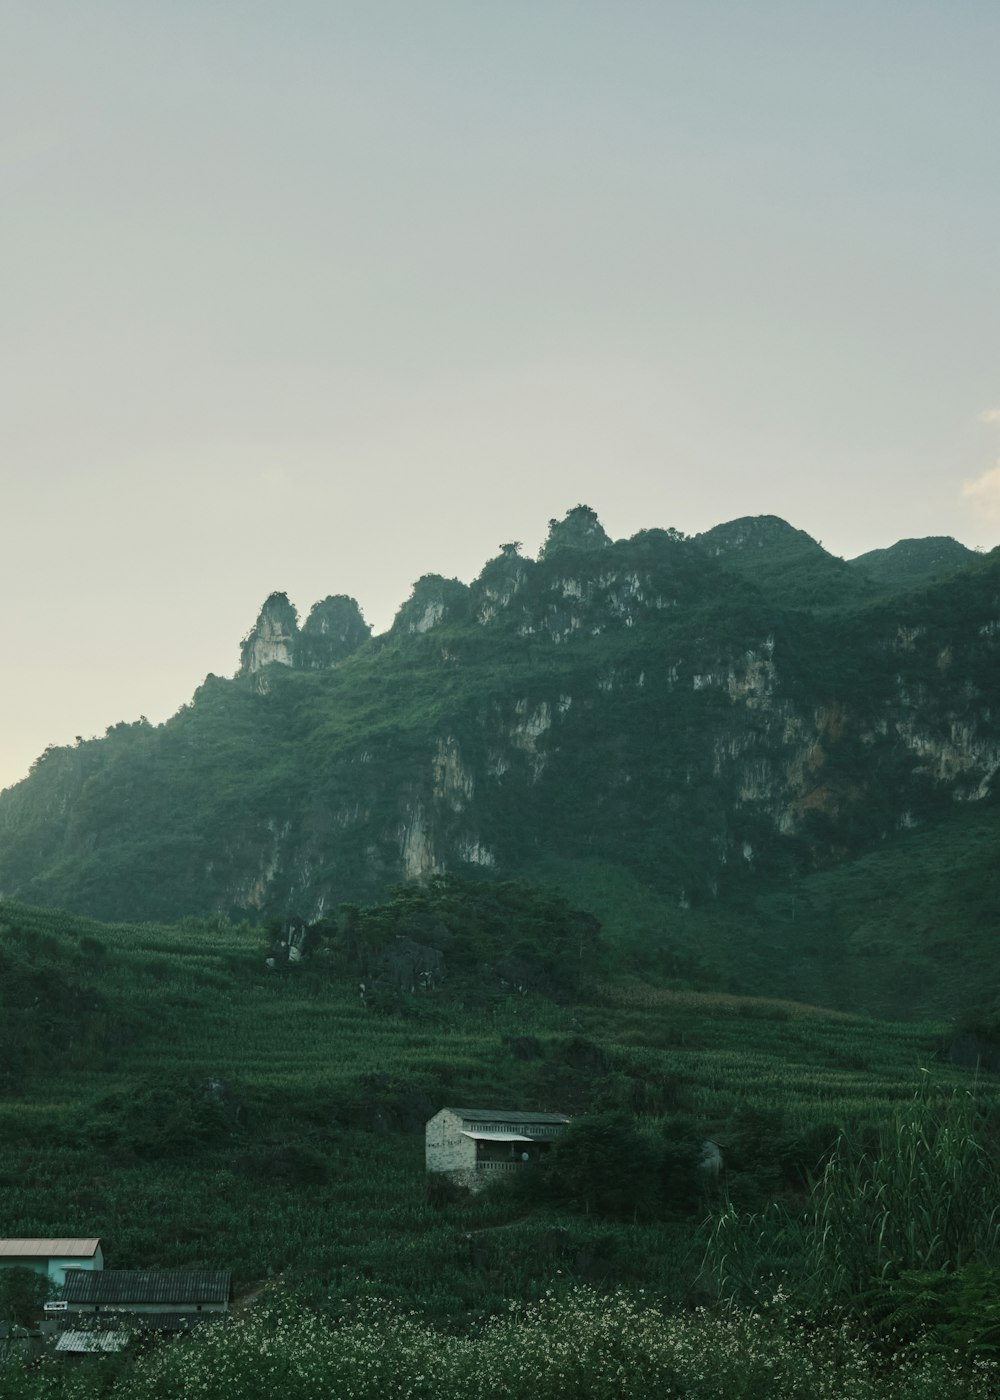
(165, 1091)
(309, 1159)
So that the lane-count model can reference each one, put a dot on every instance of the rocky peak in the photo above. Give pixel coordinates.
(274, 637)
(578, 529)
(434, 601)
(333, 630)
(500, 581)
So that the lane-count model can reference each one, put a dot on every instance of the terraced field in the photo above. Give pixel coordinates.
(195, 1109)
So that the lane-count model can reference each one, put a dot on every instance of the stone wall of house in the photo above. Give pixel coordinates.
(446, 1149)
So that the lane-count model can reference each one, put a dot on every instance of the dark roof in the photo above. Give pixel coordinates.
(171, 1321)
(501, 1115)
(172, 1286)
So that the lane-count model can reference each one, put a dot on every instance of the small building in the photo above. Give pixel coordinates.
(469, 1144)
(52, 1257)
(111, 1330)
(148, 1294)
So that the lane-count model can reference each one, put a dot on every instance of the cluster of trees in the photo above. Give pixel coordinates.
(22, 1293)
(471, 936)
(606, 1165)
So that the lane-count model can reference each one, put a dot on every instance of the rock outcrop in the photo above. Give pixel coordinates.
(435, 601)
(333, 630)
(274, 638)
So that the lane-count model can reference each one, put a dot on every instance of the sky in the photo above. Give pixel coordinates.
(324, 296)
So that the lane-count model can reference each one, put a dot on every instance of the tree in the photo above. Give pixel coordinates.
(22, 1291)
(603, 1165)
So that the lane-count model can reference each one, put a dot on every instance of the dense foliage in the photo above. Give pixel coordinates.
(464, 937)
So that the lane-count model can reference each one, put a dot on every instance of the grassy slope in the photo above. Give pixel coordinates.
(309, 1158)
(909, 928)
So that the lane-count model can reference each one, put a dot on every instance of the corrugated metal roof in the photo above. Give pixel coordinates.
(108, 1287)
(497, 1136)
(499, 1115)
(92, 1341)
(48, 1249)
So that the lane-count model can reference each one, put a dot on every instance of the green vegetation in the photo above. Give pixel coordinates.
(468, 936)
(911, 562)
(272, 1122)
(917, 1200)
(22, 1292)
(909, 928)
(702, 742)
(577, 1343)
(712, 799)
(786, 564)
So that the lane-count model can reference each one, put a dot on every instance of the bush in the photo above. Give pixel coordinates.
(603, 1165)
(22, 1291)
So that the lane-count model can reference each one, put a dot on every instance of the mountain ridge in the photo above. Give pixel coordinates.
(641, 704)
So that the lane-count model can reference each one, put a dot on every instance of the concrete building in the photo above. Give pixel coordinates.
(471, 1144)
(51, 1257)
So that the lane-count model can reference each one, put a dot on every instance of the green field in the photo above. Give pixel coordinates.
(164, 1091)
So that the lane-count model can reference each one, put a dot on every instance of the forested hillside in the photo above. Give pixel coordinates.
(687, 736)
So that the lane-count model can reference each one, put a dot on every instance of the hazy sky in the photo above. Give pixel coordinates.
(322, 296)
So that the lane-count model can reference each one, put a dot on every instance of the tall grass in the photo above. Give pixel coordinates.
(923, 1196)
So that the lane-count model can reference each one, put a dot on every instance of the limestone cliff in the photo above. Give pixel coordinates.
(274, 638)
(435, 601)
(333, 630)
(640, 704)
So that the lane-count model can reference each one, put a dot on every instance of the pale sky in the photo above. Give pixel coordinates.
(322, 296)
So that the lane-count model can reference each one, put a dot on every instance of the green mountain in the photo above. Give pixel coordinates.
(673, 730)
(910, 562)
(788, 566)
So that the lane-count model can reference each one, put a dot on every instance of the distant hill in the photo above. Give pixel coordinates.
(910, 562)
(661, 725)
(786, 564)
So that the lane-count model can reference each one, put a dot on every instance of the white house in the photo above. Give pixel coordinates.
(51, 1257)
(468, 1144)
